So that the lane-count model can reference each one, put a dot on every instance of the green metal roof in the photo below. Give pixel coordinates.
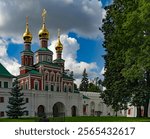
(32, 72)
(85, 97)
(67, 77)
(48, 63)
(59, 60)
(4, 72)
(43, 49)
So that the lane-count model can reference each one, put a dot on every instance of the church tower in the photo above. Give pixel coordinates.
(43, 54)
(26, 54)
(59, 49)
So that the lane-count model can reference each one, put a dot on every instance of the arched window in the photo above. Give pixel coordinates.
(46, 76)
(70, 89)
(65, 88)
(26, 85)
(26, 60)
(31, 60)
(52, 87)
(36, 85)
(57, 88)
(129, 111)
(57, 78)
(52, 77)
(46, 87)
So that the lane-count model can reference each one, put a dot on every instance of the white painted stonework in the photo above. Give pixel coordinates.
(92, 105)
(64, 101)
(95, 106)
(46, 99)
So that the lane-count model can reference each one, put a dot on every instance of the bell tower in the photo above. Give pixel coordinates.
(26, 54)
(59, 49)
(43, 54)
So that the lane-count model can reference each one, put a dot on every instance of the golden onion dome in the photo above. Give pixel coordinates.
(43, 32)
(59, 46)
(27, 36)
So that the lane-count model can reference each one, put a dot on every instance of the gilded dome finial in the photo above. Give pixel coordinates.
(27, 25)
(43, 33)
(58, 33)
(27, 36)
(44, 15)
(59, 46)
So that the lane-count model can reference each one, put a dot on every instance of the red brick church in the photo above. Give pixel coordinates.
(43, 73)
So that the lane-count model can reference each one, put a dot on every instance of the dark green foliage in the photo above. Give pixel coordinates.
(93, 88)
(16, 102)
(84, 82)
(127, 42)
(137, 58)
(75, 87)
(76, 90)
(95, 85)
(116, 93)
(90, 87)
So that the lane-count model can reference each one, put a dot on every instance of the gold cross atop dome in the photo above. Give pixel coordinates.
(43, 32)
(27, 18)
(44, 15)
(58, 33)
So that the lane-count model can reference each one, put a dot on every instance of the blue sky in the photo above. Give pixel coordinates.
(91, 50)
(80, 31)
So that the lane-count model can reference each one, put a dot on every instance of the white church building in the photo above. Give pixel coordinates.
(52, 103)
(46, 86)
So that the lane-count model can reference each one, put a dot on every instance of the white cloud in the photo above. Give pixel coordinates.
(70, 49)
(102, 73)
(3, 49)
(84, 17)
(11, 64)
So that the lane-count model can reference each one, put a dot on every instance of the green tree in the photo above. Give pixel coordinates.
(16, 102)
(95, 85)
(116, 93)
(84, 81)
(137, 59)
(76, 90)
(127, 39)
(93, 88)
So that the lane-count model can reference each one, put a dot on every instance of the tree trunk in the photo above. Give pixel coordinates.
(116, 114)
(138, 111)
(146, 107)
(147, 97)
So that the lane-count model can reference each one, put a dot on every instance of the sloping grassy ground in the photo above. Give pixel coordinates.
(81, 119)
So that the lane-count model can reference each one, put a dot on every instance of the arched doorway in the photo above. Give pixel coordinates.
(92, 107)
(59, 109)
(74, 110)
(41, 111)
